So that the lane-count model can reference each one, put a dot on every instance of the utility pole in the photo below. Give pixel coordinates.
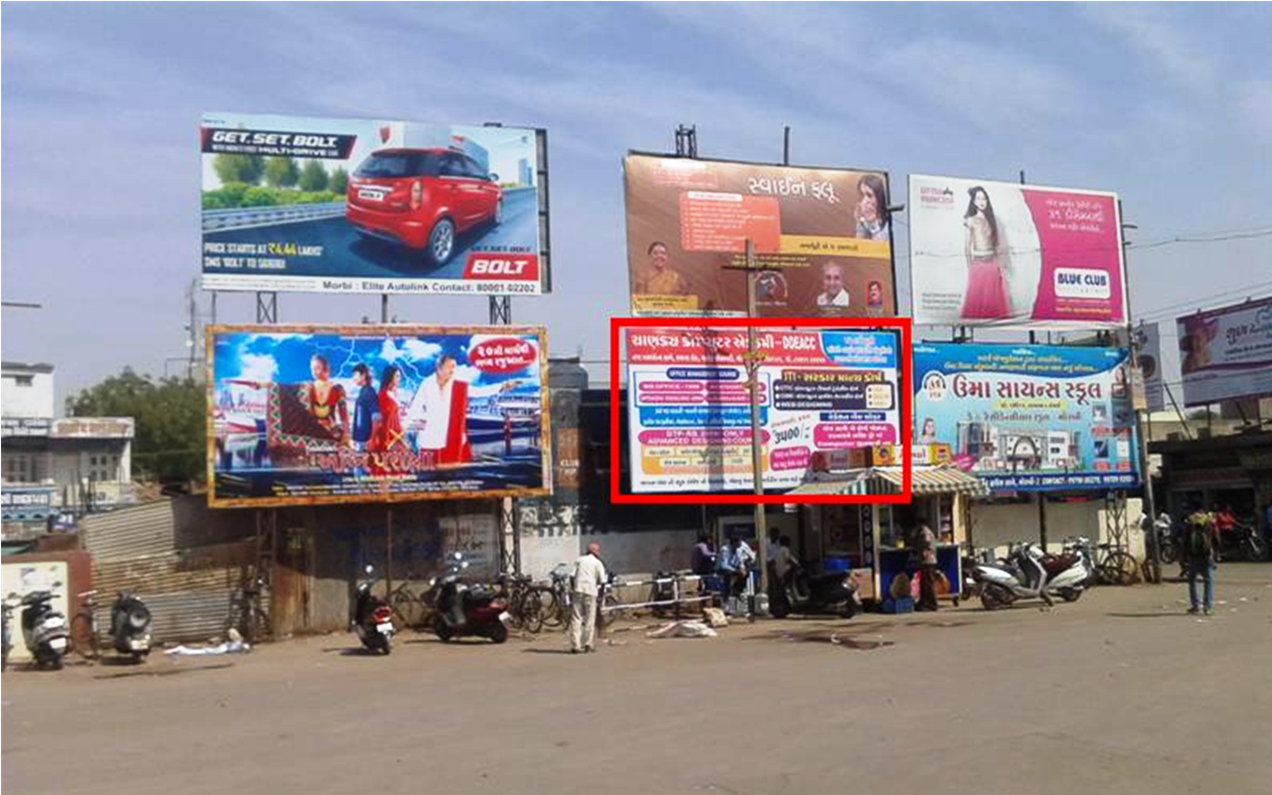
(192, 327)
(1149, 505)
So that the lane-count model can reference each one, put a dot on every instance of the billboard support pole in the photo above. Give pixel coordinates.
(1149, 505)
(388, 550)
(266, 307)
(786, 146)
(500, 310)
(384, 307)
(753, 357)
(509, 533)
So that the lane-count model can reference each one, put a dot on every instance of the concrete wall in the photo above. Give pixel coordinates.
(21, 399)
(997, 525)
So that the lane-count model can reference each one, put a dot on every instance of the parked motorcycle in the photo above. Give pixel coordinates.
(44, 629)
(815, 590)
(1167, 538)
(1069, 573)
(1243, 542)
(130, 623)
(1022, 575)
(469, 610)
(372, 617)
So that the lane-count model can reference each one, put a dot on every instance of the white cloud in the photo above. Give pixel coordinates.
(257, 367)
(420, 350)
(1145, 27)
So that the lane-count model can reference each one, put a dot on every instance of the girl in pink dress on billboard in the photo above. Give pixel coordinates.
(986, 295)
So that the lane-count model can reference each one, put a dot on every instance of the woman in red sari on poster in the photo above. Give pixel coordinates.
(986, 295)
(327, 400)
(387, 435)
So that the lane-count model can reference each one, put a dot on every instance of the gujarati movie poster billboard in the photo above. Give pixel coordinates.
(689, 407)
(327, 414)
(1226, 354)
(1029, 417)
(372, 206)
(823, 237)
(1003, 254)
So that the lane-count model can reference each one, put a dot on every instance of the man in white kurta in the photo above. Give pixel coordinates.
(589, 576)
(444, 432)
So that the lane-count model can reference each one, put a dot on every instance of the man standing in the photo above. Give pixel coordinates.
(589, 575)
(1201, 541)
(365, 409)
(735, 565)
(925, 541)
(441, 404)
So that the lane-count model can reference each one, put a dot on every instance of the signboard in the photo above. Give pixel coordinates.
(26, 504)
(25, 426)
(372, 206)
(1226, 354)
(1029, 417)
(93, 428)
(326, 414)
(824, 234)
(1002, 254)
(689, 410)
(1149, 365)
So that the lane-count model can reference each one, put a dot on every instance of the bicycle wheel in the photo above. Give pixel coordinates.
(402, 602)
(1119, 568)
(555, 613)
(532, 611)
(83, 638)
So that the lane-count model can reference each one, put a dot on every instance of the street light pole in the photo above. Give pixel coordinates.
(1149, 505)
(753, 357)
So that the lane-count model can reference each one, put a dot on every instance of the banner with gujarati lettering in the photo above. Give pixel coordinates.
(988, 253)
(1029, 417)
(689, 410)
(822, 236)
(1226, 354)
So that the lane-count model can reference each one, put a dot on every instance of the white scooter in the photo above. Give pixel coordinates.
(1029, 574)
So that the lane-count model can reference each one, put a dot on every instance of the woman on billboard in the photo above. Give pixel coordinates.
(986, 294)
(872, 208)
(327, 400)
(387, 435)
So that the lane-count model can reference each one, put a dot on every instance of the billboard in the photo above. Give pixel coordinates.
(1226, 354)
(999, 253)
(825, 236)
(372, 206)
(1148, 340)
(689, 419)
(326, 414)
(1029, 417)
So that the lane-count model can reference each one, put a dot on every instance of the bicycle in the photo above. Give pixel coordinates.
(525, 602)
(1116, 566)
(247, 616)
(84, 625)
(556, 614)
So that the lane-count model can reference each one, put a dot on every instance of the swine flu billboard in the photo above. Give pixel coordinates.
(1003, 254)
(327, 414)
(1029, 417)
(372, 206)
(823, 237)
(689, 415)
(1226, 353)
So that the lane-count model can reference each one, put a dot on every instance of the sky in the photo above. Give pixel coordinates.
(1168, 105)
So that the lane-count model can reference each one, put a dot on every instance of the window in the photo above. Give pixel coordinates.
(24, 380)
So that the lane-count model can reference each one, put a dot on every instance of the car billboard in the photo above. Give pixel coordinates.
(1029, 417)
(822, 236)
(689, 416)
(1226, 354)
(372, 206)
(328, 414)
(1004, 254)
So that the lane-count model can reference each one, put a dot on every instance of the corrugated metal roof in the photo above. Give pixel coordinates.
(934, 480)
(130, 532)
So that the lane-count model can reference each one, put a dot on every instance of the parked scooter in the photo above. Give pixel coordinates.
(1069, 573)
(130, 623)
(373, 618)
(469, 610)
(1022, 575)
(815, 590)
(44, 629)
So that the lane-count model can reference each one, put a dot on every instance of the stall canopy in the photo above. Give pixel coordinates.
(887, 480)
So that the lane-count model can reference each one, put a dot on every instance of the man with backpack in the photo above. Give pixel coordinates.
(1201, 540)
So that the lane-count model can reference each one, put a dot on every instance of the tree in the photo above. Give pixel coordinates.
(313, 176)
(170, 416)
(239, 168)
(281, 172)
(339, 183)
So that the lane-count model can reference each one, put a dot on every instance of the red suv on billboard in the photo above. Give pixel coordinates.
(422, 198)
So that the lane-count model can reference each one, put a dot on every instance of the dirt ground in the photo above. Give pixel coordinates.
(1121, 692)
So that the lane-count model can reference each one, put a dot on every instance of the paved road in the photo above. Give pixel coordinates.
(374, 258)
(1119, 693)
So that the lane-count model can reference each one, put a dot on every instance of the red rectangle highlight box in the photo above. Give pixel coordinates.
(904, 364)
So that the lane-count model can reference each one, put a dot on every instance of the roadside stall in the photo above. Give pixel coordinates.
(875, 539)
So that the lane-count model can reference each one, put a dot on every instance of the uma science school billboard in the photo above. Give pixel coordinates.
(689, 411)
(825, 236)
(325, 414)
(1029, 417)
(1002, 254)
(358, 206)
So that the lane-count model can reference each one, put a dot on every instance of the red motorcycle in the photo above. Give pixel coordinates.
(465, 610)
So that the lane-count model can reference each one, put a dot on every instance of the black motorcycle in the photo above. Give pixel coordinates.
(816, 590)
(130, 623)
(373, 618)
(1243, 542)
(465, 610)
